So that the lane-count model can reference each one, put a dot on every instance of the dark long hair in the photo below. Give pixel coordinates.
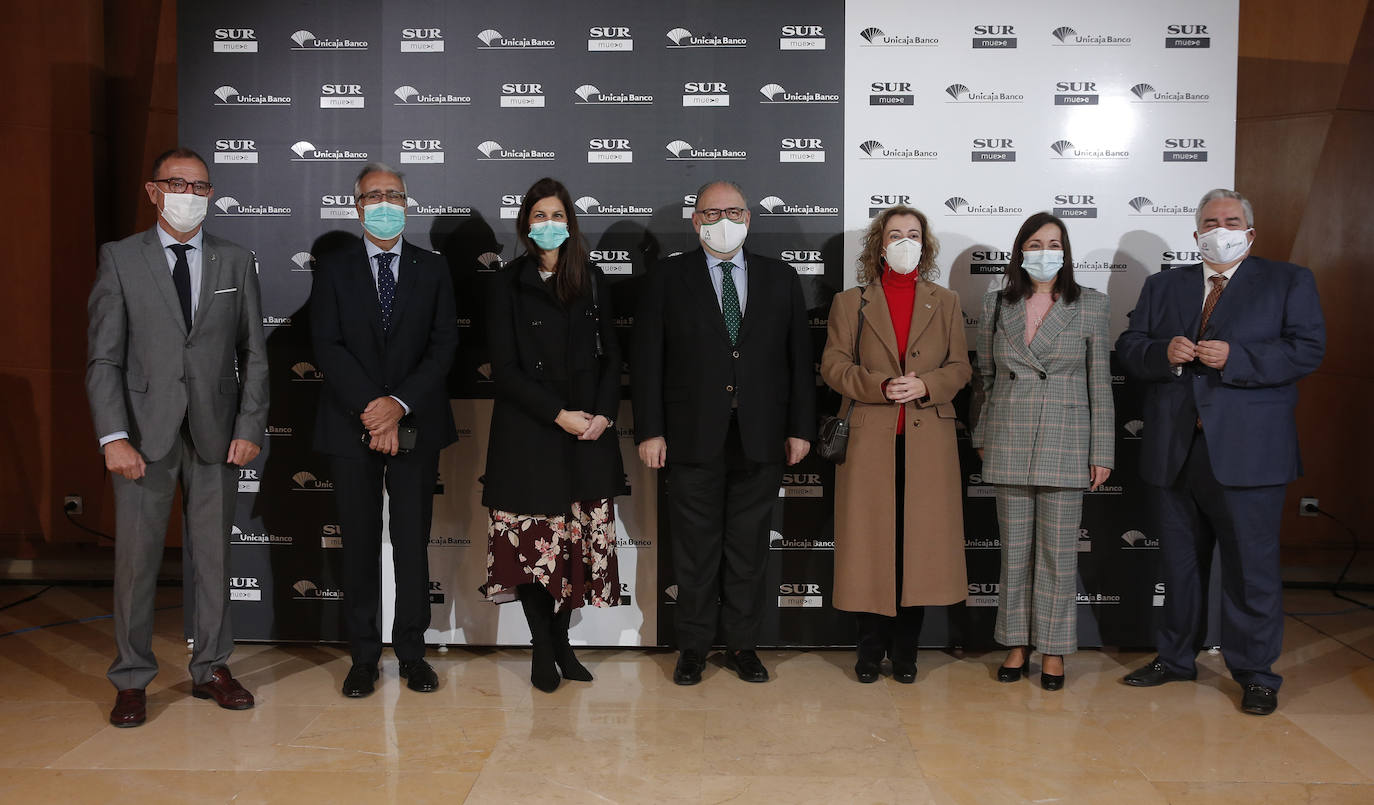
(1019, 284)
(570, 277)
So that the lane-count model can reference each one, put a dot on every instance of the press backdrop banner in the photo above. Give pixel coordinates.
(1115, 118)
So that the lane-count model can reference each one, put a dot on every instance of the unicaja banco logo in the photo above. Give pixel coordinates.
(304, 261)
(229, 96)
(408, 95)
(1146, 93)
(683, 38)
(230, 207)
(772, 205)
(874, 149)
(591, 95)
(589, 206)
(1069, 37)
(305, 371)
(877, 37)
(492, 39)
(307, 590)
(776, 93)
(1142, 205)
(492, 150)
(305, 40)
(958, 205)
(681, 150)
(1067, 150)
(306, 151)
(307, 482)
(960, 93)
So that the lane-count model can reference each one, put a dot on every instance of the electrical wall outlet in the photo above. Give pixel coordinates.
(73, 504)
(1307, 507)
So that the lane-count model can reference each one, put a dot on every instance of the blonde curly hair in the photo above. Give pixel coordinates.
(870, 260)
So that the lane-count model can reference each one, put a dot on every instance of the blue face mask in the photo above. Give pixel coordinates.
(1042, 266)
(549, 235)
(384, 220)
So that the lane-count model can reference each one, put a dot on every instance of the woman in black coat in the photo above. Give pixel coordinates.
(553, 459)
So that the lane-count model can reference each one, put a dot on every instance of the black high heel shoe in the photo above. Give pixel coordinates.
(1005, 674)
(1052, 681)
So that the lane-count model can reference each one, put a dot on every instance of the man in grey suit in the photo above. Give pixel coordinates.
(176, 376)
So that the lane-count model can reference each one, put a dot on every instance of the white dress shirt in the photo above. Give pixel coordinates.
(738, 273)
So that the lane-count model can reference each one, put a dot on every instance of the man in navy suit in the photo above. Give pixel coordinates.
(1222, 346)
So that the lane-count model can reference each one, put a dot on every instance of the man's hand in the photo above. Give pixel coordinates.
(122, 459)
(654, 452)
(380, 414)
(386, 441)
(242, 451)
(595, 428)
(574, 422)
(906, 388)
(796, 449)
(1181, 351)
(1097, 476)
(1213, 353)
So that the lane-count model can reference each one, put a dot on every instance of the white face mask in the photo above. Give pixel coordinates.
(903, 255)
(1043, 265)
(724, 236)
(1221, 245)
(183, 211)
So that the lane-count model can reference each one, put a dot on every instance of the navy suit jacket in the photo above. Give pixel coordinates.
(1270, 316)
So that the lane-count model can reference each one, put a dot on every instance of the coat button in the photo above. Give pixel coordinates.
(1043, 375)
(730, 389)
(1013, 375)
(734, 354)
(915, 423)
(915, 353)
(539, 366)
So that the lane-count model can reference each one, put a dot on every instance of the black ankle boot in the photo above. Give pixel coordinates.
(906, 633)
(870, 648)
(563, 654)
(538, 606)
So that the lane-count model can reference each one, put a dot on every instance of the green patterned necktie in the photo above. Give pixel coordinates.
(729, 300)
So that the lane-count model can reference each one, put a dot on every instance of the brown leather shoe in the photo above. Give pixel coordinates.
(225, 690)
(130, 709)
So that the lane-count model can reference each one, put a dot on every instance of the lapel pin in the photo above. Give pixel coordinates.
(927, 306)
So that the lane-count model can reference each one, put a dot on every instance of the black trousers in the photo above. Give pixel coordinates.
(1194, 514)
(409, 480)
(720, 512)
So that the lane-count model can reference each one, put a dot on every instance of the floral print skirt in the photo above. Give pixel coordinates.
(572, 555)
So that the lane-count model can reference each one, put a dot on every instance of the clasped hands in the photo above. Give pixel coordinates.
(1210, 353)
(380, 417)
(905, 389)
(586, 427)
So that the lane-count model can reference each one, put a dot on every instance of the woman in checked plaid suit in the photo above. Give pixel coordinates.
(1045, 432)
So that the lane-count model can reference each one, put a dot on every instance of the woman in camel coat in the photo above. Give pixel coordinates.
(899, 525)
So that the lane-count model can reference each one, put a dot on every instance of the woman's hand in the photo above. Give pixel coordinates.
(1097, 476)
(906, 388)
(595, 428)
(574, 422)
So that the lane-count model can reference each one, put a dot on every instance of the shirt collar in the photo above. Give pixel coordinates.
(737, 259)
(1229, 273)
(196, 242)
(373, 249)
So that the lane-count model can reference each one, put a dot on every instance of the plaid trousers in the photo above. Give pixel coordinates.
(1037, 604)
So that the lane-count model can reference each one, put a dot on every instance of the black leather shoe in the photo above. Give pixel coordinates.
(690, 664)
(747, 664)
(867, 672)
(360, 681)
(904, 672)
(1259, 700)
(1155, 674)
(1051, 681)
(419, 676)
(1005, 674)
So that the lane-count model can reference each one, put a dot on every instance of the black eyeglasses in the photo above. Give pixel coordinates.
(374, 196)
(176, 184)
(713, 214)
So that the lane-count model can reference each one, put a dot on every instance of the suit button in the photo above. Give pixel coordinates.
(1013, 375)
(1043, 375)
(915, 353)
(730, 389)
(536, 323)
(190, 344)
(539, 366)
(734, 354)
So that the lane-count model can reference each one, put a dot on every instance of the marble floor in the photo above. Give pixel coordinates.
(811, 735)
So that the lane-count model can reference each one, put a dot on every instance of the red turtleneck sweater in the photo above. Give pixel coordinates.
(900, 292)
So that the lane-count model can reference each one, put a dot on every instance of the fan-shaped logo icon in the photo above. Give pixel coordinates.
(235, 530)
(1141, 90)
(302, 147)
(955, 90)
(1139, 203)
(304, 587)
(1061, 146)
(303, 478)
(586, 91)
(225, 92)
(489, 259)
(1063, 32)
(301, 37)
(871, 33)
(411, 202)
(587, 204)
(303, 259)
(1133, 537)
(488, 36)
(304, 369)
(225, 202)
(676, 147)
(955, 202)
(406, 93)
(871, 146)
(489, 147)
(678, 35)
(771, 203)
(1134, 427)
(671, 592)
(771, 91)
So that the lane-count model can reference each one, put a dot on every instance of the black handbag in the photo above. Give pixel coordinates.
(832, 437)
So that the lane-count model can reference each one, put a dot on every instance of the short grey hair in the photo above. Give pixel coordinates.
(377, 167)
(1221, 192)
(725, 183)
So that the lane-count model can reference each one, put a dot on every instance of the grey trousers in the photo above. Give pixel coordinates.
(1037, 604)
(142, 508)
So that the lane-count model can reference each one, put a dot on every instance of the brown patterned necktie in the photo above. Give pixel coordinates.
(1218, 285)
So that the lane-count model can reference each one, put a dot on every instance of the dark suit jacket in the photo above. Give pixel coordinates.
(361, 364)
(1272, 319)
(684, 371)
(543, 359)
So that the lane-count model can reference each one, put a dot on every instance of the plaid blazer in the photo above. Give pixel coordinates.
(1046, 410)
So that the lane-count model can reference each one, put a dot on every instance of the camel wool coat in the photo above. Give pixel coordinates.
(865, 498)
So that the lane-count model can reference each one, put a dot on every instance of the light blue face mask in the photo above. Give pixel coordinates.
(1042, 266)
(384, 220)
(549, 235)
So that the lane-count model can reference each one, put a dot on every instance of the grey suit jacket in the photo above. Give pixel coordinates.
(1047, 410)
(145, 374)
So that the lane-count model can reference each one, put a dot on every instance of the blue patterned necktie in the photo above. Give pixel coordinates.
(386, 288)
(729, 300)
